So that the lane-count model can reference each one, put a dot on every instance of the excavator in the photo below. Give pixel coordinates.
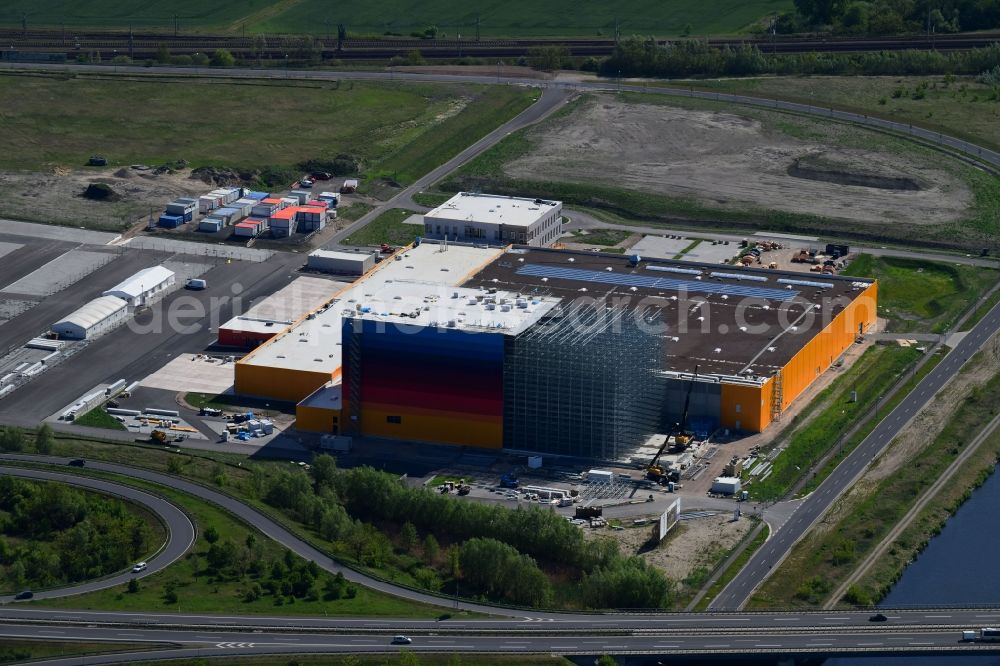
(682, 438)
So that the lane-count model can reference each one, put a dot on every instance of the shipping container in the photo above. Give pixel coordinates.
(230, 215)
(246, 229)
(317, 203)
(264, 209)
(332, 197)
(182, 208)
(301, 196)
(210, 225)
(257, 196)
(171, 221)
(244, 205)
(208, 203)
(289, 201)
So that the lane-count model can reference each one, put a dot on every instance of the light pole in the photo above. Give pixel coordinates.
(286, 65)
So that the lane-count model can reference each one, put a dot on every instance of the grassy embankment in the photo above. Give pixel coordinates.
(387, 228)
(981, 223)
(232, 402)
(733, 569)
(199, 589)
(98, 418)
(826, 556)
(528, 18)
(709, 560)
(605, 237)
(399, 129)
(404, 658)
(819, 426)
(22, 650)
(923, 296)
(958, 106)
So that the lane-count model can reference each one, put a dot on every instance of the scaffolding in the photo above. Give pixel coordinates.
(582, 383)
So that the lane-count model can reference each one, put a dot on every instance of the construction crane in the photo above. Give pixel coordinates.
(654, 471)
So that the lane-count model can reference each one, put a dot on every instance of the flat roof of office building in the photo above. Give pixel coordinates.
(727, 320)
(492, 209)
(315, 343)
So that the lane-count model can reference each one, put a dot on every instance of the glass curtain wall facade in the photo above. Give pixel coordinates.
(583, 383)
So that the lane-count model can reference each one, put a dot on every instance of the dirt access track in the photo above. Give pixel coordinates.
(731, 161)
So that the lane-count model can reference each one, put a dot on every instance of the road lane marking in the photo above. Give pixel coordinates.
(786, 619)
(937, 616)
(768, 645)
(918, 643)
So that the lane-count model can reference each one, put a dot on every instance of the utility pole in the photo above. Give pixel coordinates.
(131, 43)
(618, 30)
(327, 22)
(478, 20)
(24, 23)
(175, 25)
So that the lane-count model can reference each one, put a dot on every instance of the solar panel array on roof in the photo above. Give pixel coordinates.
(673, 269)
(537, 270)
(807, 283)
(739, 276)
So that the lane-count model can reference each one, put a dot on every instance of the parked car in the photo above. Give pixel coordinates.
(306, 183)
(21, 596)
(140, 566)
(401, 640)
(321, 175)
(77, 462)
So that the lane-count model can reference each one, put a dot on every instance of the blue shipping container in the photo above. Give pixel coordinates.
(171, 221)
(257, 196)
(188, 216)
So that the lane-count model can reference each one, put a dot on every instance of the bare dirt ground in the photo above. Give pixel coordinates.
(506, 71)
(692, 544)
(733, 161)
(56, 196)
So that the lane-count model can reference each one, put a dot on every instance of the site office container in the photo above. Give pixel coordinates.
(229, 215)
(332, 197)
(244, 205)
(182, 208)
(248, 228)
(289, 201)
(310, 218)
(209, 202)
(257, 196)
(300, 196)
(171, 221)
(318, 203)
(230, 194)
(264, 209)
(283, 222)
(210, 225)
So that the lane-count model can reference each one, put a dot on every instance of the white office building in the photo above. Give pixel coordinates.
(94, 318)
(145, 287)
(497, 220)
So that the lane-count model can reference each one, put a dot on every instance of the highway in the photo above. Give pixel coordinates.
(180, 529)
(201, 643)
(776, 548)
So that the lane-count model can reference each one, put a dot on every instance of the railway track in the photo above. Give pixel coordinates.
(146, 45)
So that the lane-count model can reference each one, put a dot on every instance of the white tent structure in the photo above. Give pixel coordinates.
(94, 318)
(144, 287)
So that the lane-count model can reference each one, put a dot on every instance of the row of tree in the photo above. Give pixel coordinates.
(890, 17)
(492, 552)
(61, 535)
(640, 56)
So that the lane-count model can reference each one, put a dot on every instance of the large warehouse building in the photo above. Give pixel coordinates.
(557, 351)
(96, 317)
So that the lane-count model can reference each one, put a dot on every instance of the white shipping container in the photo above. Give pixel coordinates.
(301, 196)
(289, 201)
(600, 476)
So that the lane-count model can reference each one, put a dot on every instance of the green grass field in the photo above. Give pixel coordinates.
(822, 422)
(407, 128)
(19, 651)
(199, 591)
(453, 18)
(923, 296)
(98, 418)
(387, 228)
(606, 237)
(955, 105)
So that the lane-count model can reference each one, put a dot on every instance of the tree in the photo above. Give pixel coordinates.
(199, 59)
(223, 58)
(44, 439)
(133, 585)
(408, 536)
(605, 660)
(11, 439)
(431, 549)
(323, 471)
(415, 58)
(211, 534)
(162, 54)
(547, 58)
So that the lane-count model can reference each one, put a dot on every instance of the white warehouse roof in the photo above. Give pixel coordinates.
(143, 281)
(93, 312)
(359, 257)
(492, 209)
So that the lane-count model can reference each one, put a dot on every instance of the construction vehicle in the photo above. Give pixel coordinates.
(464, 489)
(158, 437)
(655, 471)
(508, 481)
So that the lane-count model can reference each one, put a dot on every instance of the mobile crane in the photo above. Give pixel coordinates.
(656, 472)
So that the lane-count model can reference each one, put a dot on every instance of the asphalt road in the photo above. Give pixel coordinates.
(123, 353)
(776, 548)
(180, 529)
(204, 642)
